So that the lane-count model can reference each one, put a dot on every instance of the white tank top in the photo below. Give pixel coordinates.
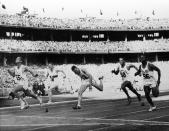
(124, 72)
(147, 74)
(20, 74)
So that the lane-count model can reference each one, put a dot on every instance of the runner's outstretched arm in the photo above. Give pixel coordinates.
(138, 71)
(10, 70)
(30, 71)
(153, 67)
(132, 66)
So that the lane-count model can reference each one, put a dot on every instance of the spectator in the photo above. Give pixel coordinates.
(81, 46)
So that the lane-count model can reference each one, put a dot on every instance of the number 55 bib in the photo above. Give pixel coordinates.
(148, 77)
(20, 76)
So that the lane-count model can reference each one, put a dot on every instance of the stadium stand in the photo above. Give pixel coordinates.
(81, 46)
(83, 23)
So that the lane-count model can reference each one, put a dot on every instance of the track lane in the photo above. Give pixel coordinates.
(96, 109)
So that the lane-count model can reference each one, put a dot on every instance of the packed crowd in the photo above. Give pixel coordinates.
(83, 23)
(81, 46)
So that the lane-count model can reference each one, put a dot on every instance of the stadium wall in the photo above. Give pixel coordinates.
(49, 34)
(43, 58)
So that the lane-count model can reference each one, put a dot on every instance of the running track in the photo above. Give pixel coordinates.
(96, 115)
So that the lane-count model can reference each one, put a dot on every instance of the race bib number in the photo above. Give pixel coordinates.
(51, 78)
(146, 76)
(18, 77)
(123, 74)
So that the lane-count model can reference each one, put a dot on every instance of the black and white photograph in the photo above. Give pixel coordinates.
(84, 65)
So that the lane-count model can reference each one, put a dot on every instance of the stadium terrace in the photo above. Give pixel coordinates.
(87, 23)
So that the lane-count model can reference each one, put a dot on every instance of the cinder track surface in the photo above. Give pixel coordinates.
(96, 114)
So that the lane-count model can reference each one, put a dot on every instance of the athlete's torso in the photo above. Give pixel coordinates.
(82, 74)
(148, 76)
(124, 72)
(146, 72)
(20, 74)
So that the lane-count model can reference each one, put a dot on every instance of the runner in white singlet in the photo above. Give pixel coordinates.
(87, 80)
(21, 82)
(123, 69)
(20, 76)
(52, 80)
(148, 76)
(146, 69)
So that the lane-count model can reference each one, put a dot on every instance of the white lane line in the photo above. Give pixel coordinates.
(132, 122)
(108, 109)
(156, 117)
(106, 121)
(61, 125)
(114, 122)
(89, 118)
(55, 103)
(44, 104)
(55, 117)
(98, 118)
(104, 128)
(86, 105)
(37, 128)
(143, 122)
(55, 124)
(80, 118)
(135, 112)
